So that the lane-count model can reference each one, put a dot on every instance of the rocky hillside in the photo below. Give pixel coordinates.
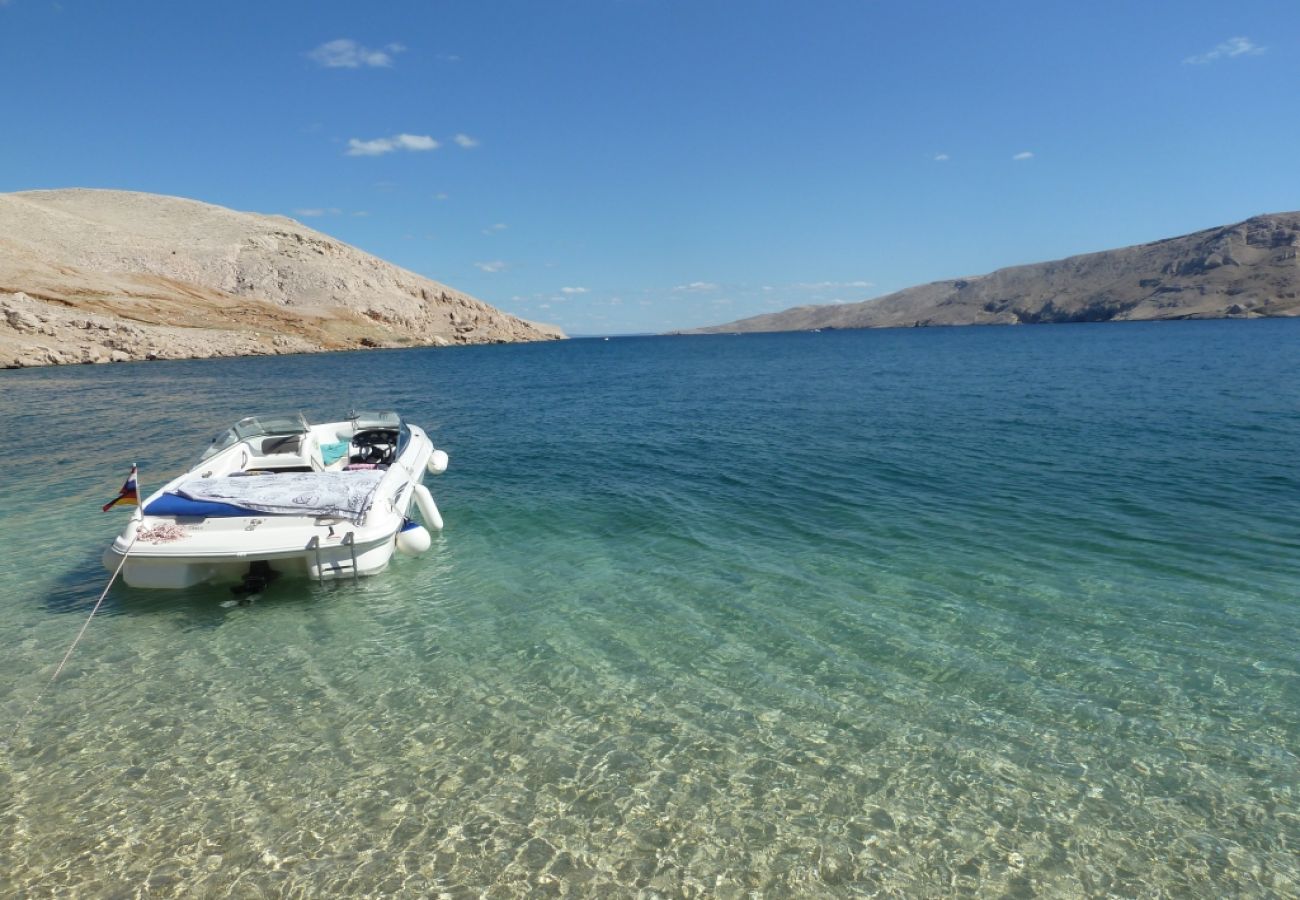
(99, 276)
(1248, 270)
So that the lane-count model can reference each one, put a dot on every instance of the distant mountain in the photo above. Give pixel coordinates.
(1245, 270)
(98, 276)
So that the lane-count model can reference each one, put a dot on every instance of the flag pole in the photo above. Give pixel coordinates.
(139, 496)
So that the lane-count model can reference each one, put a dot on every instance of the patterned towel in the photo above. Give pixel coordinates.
(347, 495)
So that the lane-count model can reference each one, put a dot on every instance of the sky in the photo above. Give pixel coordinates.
(630, 166)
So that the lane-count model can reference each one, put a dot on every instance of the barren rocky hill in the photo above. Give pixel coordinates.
(98, 276)
(1248, 270)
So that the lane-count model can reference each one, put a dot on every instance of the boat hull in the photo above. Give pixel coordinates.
(172, 572)
(171, 552)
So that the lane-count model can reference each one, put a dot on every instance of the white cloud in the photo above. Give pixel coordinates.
(315, 212)
(377, 147)
(380, 146)
(440, 196)
(573, 290)
(543, 306)
(493, 229)
(1023, 155)
(464, 140)
(346, 53)
(696, 286)
(1232, 47)
(941, 157)
(416, 142)
(830, 285)
(495, 265)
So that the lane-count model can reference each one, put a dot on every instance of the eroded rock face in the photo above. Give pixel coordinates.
(42, 333)
(101, 276)
(1246, 270)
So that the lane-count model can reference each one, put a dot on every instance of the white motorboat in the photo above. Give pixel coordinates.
(275, 495)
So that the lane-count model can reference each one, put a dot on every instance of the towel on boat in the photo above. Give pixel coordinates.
(332, 453)
(347, 495)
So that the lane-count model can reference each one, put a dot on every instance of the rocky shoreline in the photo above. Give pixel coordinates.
(91, 276)
(1250, 269)
(36, 333)
(44, 334)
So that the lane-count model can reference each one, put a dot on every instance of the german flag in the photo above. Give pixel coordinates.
(127, 496)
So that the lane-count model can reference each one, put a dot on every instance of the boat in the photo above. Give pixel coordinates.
(277, 496)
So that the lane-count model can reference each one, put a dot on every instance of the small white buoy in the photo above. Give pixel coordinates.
(437, 463)
(413, 539)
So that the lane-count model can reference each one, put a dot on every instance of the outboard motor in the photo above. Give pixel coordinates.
(258, 576)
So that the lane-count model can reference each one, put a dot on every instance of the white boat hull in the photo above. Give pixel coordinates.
(179, 551)
(148, 569)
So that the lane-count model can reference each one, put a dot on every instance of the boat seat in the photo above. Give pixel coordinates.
(291, 443)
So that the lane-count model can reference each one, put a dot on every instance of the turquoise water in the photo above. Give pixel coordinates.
(925, 612)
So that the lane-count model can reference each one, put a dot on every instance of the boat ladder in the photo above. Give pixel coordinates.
(349, 541)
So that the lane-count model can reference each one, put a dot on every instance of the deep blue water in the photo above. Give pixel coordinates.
(919, 612)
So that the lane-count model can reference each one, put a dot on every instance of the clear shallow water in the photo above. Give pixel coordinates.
(922, 612)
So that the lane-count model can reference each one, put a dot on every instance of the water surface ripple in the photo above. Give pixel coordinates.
(994, 612)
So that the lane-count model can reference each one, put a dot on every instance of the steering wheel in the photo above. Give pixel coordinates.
(374, 446)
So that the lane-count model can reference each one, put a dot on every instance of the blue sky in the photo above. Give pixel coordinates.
(620, 166)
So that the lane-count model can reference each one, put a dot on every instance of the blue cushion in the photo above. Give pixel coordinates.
(176, 505)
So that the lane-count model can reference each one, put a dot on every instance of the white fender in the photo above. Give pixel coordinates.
(428, 509)
(413, 540)
(437, 463)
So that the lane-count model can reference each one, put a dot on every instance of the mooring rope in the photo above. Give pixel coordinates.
(77, 639)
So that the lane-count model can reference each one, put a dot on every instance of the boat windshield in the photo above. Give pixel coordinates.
(276, 424)
(366, 419)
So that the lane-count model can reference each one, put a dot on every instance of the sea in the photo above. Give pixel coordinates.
(989, 612)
